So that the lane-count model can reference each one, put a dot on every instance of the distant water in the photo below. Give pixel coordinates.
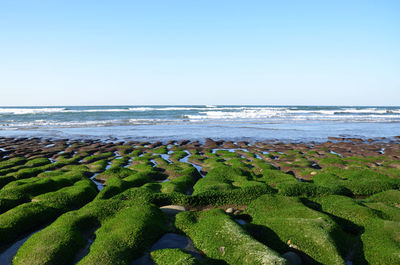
(293, 123)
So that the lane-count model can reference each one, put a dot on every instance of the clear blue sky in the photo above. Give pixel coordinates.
(199, 52)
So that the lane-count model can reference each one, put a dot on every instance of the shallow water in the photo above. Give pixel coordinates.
(252, 123)
(166, 158)
(7, 255)
(333, 152)
(241, 221)
(117, 155)
(90, 237)
(169, 240)
(129, 162)
(154, 162)
(99, 185)
(186, 160)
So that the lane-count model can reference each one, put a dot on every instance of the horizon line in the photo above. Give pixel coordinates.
(216, 105)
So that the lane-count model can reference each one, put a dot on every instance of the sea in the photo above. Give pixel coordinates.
(198, 122)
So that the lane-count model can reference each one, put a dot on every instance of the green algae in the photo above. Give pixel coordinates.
(380, 237)
(299, 227)
(43, 208)
(219, 237)
(173, 257)
(35, 192)
(128, 225)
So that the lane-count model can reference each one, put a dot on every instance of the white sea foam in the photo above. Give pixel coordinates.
(51, 123)
(20, 111)
(184, 108)
(141, 109)
(99, 110)
(298, 111)
(366, 110)
(166, 108)
(231, 111)
(150, 121)
(195, 114)
(291, 114)
(243, 114)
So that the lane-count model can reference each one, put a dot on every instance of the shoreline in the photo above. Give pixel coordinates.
(269, 151)
(202, 140)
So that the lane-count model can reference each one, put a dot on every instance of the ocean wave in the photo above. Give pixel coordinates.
(167, 108)
(152, 121)
(61, 124)
(98, 110)
(267, 114)
(21, 111)
(208, 107)
(364, 111)
(79, 124)
(257, 112)
(248, 110)
(141, 109)
(300, 111)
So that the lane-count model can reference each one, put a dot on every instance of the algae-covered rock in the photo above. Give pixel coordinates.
(173, 257)
(221, 238)
(299, 227)
(380, 237)
(127, 228)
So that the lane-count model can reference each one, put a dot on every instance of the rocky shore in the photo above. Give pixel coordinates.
(189, 202)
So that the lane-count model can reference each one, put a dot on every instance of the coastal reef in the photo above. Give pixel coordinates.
(188, 202)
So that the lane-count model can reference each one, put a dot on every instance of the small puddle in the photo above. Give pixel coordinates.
(7, 255)
(382, 151)
(90, 237)
(3, 150)
(129, 162)
(169, 240)
(241, 221)
(117, 156)
(333, 152)
(189, 191)
(302, 180)
(186, 160)
(166, 157)
(108, 165)
(315, 165)
(99, 185)
(154, 162)
(232, 150)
